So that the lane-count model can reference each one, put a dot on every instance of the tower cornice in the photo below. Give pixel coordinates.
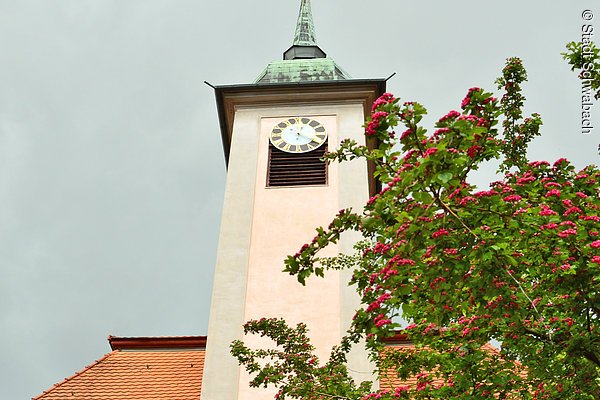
(229, 98)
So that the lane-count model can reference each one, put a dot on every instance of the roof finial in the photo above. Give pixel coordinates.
(305, 28)
(305, 41)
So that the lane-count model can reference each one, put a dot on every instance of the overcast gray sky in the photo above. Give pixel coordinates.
(111, 166)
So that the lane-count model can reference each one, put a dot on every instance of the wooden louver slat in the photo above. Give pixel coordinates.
(296, 169)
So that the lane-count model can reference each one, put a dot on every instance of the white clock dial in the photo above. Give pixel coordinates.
(298, 135)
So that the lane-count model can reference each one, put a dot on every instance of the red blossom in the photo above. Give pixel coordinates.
(547, 211)
(538, 163)
(473, 150)
(405, 134)
(551, 225)
(382, 100)
(440, 232)
(582, 195)
(429, 151)
(560, 161)
(572, 210)
(526, 178)
(451, 115)
(440, 131)
(552, 184)
(485, 193)
(512, 198)
(567, 232)
(467, 199)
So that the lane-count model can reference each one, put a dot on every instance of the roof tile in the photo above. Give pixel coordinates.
(159, 373)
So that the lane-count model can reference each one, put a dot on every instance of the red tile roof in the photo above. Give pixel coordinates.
(139, 368)
(399, 342)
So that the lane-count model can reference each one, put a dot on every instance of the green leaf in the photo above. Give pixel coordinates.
(444, 177)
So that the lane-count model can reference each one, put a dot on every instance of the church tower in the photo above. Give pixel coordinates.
(278, 191)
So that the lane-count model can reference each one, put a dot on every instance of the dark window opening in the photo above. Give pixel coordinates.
(296, 169)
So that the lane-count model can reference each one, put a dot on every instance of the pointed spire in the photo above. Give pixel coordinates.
(305, 28)
(305, 41)
(304, 61)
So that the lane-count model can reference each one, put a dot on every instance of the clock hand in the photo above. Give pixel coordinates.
(311, 137)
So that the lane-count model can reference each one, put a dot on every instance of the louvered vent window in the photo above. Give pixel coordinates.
(296, 169)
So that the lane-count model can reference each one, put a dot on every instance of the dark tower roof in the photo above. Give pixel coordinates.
(304, 61)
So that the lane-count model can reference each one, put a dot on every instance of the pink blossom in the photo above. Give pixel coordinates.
(441, 131)
(485, 193)
(467, 199)
(397, 260)
(553, 192)
(595, 244)
(569, 223)
(375, 121)
(451, 115)
(390, 272)
(567, 232)
(483, 122)
(382, 322)
(441, 232)
(526, 178)
(551, 225)
(473, 150)
(560, 161)
(470, 118)
(383, 99)
(429, 151)
(373, 306)
(398, 391)
(384, 297)
(595, 260)
(547, 211)
(465, 102)
(521, 211)
(572, 210)
(512, 198)
(538, 163)
(409, 154)
(552, 184)
(379, 114)
(405, 134)
(428, 328)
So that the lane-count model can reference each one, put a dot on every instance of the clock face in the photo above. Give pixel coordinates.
(298, 135)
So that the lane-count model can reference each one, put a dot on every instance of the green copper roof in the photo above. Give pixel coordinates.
(305, 28)
(304, 61)
(302, 70)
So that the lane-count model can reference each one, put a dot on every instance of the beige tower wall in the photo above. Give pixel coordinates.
(261, 226)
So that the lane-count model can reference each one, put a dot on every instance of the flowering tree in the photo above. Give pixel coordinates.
(456, 267)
